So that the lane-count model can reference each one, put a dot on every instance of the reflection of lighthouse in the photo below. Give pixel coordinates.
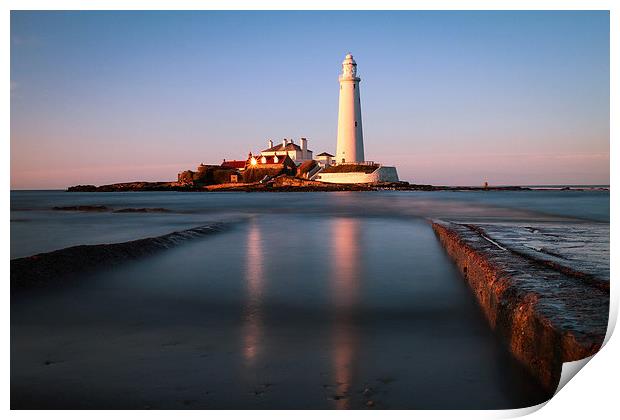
(345, 288)
(350, 146)
(252, 317)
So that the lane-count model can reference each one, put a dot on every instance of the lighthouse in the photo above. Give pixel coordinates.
(350, 143)
(349, 165)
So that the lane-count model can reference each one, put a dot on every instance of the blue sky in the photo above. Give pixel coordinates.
(448, 97)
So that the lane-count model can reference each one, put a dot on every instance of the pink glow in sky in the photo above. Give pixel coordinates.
(455, 98)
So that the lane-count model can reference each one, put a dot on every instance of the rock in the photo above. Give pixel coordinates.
(186, 178)
(61, 265)
(218, 178)
(133, 186)
(81, 208)
(82, 188)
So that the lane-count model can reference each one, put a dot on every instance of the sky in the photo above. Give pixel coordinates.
(449, 98)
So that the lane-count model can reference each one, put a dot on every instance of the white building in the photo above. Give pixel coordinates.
(298, 153)
(325, 159)
(362, 175)
(350, 166)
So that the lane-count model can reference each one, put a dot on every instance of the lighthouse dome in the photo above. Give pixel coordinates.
(348, 59)
(349, 68)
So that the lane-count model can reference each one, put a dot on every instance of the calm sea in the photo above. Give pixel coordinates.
(314, 300)
(35, 227)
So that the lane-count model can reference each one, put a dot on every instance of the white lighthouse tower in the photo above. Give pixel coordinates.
(350, 146)
(351, 167)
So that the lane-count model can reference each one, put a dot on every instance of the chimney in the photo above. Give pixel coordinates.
(304, 146)
(284, 143)
(270, 143)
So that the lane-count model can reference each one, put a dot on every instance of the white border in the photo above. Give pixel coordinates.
(591, 395)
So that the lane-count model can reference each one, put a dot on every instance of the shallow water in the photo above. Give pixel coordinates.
(35, 227)
(316, 300)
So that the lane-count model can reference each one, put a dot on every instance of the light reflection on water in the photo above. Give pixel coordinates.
(254, 278)
(344, 279)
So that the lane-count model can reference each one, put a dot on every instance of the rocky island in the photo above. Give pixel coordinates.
(279, 183)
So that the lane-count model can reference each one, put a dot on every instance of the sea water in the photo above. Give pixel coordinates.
(36, 227)
(311, 300)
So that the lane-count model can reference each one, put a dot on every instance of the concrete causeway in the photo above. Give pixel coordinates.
(543, 286)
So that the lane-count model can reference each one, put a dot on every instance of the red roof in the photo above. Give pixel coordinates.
(270, 159)
(236, 164)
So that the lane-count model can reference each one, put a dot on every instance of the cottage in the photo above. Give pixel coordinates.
(325, 159)
(298, 153)
(271, 166)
